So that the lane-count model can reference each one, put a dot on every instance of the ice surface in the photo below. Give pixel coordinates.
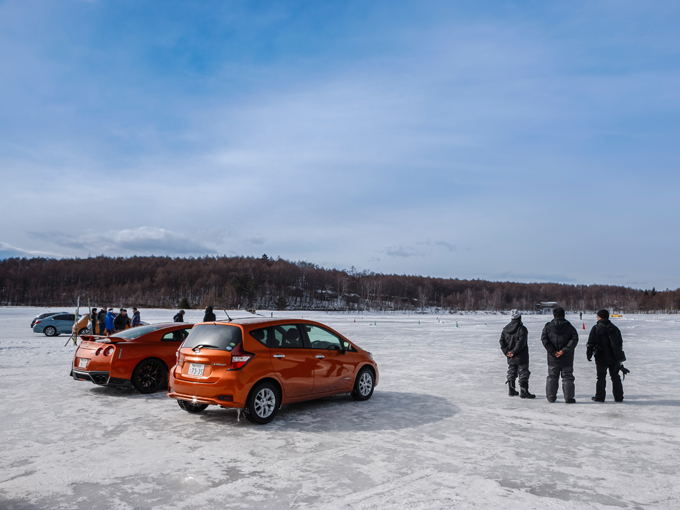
(439, 432)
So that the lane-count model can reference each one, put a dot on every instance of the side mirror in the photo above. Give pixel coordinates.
(345, 347)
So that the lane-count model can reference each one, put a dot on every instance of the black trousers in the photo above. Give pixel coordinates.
(617, 386)
(524, 374)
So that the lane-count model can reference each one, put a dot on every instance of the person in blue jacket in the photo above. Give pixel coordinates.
(110, 317)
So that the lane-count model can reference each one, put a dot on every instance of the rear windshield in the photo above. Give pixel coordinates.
(132, 333)
(214, 336)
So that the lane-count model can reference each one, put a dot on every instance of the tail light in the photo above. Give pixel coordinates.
(37, 322)
(109, 350)
(239, 357)
(98, 351)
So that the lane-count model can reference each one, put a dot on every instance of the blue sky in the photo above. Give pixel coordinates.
(524, 141)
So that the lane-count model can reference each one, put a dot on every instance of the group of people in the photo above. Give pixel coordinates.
(107, 322)
(209, 315)
(560, 338)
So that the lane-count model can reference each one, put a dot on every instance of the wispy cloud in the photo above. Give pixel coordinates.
(8, 251)
(142, 240)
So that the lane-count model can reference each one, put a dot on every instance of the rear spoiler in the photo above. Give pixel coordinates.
(97, 338)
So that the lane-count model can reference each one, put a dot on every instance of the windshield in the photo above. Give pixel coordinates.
(214, 336)
(132, 333)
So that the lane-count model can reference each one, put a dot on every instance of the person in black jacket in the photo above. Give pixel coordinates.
(514, 345)
(101, 318)
(93, 321)
(179, 316)
(559, 338)
(121, 321)
(209, 315)
(606, 343)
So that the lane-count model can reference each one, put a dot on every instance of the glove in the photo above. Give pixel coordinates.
(590, 358)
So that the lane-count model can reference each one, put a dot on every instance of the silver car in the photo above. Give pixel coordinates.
(56, 324)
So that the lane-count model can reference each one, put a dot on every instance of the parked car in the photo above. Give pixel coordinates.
(43, 316)
(137, 356)
(55, 325)
(259, 364)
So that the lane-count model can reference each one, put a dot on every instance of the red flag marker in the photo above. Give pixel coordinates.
(584, 325)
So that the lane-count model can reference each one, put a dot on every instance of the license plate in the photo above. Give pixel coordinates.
(82, 363)
(196, 369)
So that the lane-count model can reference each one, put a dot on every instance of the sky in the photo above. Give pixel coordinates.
(501, 140)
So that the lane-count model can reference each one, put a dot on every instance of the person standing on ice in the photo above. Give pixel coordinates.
(101, 318)
(136, 318)
(559, 338)
(606, 344)
(179, 316)
(209, 315)
(514, 346)
(93, 321)
(110, 317)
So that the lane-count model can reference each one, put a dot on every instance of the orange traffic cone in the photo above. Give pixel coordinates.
(584, 325)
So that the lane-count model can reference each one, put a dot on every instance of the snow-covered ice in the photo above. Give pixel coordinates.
(439, 432)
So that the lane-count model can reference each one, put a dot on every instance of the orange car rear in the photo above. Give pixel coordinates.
(140, 357)
(259, 364)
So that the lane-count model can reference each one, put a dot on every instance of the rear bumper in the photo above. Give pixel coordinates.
(224, 402)
(99, 378)
(226, 392)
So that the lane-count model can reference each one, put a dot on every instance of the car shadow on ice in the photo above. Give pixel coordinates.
(386, 410)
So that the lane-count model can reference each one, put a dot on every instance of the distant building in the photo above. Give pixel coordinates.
(546, 306)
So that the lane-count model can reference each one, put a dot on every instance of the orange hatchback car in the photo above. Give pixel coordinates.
(259, 364)
(137, 356)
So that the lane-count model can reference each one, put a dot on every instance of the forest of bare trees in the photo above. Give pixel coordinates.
(266, 283)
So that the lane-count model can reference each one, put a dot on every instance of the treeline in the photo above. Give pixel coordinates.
(266, 283)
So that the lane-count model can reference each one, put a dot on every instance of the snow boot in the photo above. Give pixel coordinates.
(595, 399)
(524, 393)
(570, 401)
(512, 392)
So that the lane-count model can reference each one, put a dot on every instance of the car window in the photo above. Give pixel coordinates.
(65, 318)
(264, 336)
(132, 333)
(214, 336)
(320, 338)
(285, 336)
(176, 336)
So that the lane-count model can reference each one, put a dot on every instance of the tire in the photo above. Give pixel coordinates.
(364, 384)
(263, 403)
(190, 407)
(50, 331)
(84, 331)
(150, 376)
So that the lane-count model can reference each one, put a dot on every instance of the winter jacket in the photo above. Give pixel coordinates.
(110, 317)
(101, 316)
(178, 318)
(136, 319)
(560, 335)
(209, 316)
(120, 322)
(606, 343)
(514, 340)
(93, 317)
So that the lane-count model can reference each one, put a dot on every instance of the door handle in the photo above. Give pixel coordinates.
(279, 355)
(320, 356)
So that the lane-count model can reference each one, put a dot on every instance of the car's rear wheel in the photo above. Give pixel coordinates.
(50, 331)
(363, 385)
(191, 407)
(150, 376)
(263, 403)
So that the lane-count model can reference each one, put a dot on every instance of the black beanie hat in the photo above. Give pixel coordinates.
(603, 314)
(558, 312)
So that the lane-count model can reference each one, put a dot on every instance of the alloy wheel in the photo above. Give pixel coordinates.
(365, 384)
(264, 403)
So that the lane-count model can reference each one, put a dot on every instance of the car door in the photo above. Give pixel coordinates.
(169, 344)
(291, 361)
(64, 323)
(333, 369)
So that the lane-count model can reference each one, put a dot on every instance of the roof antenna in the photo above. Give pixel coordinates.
(227, 315)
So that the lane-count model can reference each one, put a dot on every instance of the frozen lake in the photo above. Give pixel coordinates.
(439, 432)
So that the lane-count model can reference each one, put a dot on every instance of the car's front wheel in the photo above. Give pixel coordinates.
(263, 403)
(191, 407)
(50, 331)
(150, 376)
(363, 385)
(83, 331)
